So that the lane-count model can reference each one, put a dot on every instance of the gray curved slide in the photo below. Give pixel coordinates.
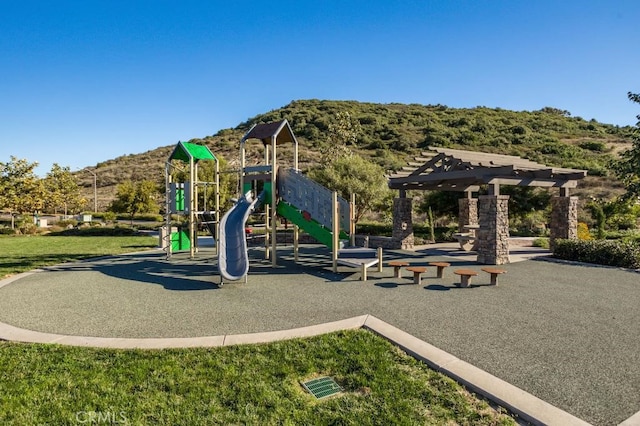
(233, 260)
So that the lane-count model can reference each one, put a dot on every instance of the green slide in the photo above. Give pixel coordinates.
(307, 223)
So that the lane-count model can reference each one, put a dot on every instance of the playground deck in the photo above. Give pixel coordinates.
(565, 333)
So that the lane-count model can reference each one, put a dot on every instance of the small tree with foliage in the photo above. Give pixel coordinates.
(62, 190)
(21, 190)
(133, 198)
(347, 173)
(342, 134)
(628, 168)
(355, 175)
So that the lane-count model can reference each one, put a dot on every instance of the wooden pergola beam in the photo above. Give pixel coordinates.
(522, 181)
(471, 174)
(445, 186)
(450, 169)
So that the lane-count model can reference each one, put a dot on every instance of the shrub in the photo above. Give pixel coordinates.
(596, 146)
(622, 221)
(541, 242)
(625, 254)
(148, 217)
(66, 223)
(26, 226)
(97, 232)
(109, 217)
(583, 232)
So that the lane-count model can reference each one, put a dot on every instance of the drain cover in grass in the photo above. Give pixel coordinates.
(322, 387)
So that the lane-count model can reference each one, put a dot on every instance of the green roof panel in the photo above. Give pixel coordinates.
(186, 150)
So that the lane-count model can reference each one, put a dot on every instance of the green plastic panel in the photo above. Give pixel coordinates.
(267, 189)
(179, 200)
(180, 241)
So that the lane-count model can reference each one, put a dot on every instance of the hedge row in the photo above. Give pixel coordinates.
(96, 232)
(602, 252)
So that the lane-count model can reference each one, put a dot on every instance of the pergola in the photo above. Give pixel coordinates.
(446, 169)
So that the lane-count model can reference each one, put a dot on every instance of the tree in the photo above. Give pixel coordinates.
(21, 190)
(62, 190)
(133, 198)
(440, 203)
(628, 168)
(355, 175)
(342, 133)
(346, 173)
(227, 183)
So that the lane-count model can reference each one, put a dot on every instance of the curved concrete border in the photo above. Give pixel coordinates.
(525, 405)
(632, 421)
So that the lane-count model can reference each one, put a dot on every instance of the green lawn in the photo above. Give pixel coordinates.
(23, 253)
(246, 384)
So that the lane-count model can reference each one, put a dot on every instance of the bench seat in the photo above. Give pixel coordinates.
(397, 267)
(465, 276)
(466, 240)
(417, 273)
(362, 258)
(440, 266)
(494, 272)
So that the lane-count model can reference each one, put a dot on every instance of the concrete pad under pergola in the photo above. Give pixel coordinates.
(443, 169)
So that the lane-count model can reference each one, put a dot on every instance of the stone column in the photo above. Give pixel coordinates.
(467, 213)
(493, 235)
(564, 219)
(403, 223)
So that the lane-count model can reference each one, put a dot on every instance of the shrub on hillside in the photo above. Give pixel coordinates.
(625, 254)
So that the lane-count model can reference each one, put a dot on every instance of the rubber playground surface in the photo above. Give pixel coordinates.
(566, 333)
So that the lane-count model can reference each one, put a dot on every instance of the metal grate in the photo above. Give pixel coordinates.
(322, 387)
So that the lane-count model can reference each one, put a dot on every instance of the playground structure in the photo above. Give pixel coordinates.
(182, 198)
(287, 193)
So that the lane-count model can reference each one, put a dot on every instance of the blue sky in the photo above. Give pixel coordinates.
(87, 81)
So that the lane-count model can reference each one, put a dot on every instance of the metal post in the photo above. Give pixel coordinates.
(168, 209)
(335, 230)
(274, 188)
(217, 214)
(352, 219)
(192, 207)
(95, 190)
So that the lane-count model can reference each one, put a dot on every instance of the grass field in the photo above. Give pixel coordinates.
(246, 384)
(23, 253)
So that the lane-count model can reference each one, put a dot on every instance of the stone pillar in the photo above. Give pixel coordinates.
(493, 235)
(403, 223)
(564, 219)
(467, 213)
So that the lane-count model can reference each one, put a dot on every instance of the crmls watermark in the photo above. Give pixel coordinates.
(102, 417)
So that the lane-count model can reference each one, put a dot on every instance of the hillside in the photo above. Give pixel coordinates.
(391, 134)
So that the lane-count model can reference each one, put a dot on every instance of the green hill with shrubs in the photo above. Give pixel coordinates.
(392, 134)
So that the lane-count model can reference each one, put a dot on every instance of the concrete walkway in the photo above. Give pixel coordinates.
(566, 334)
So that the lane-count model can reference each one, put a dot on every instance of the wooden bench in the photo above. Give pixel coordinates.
(417, 273)
(397, 267)
(465, 276)
(494, 272)
(466, 240)
(440, 266)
